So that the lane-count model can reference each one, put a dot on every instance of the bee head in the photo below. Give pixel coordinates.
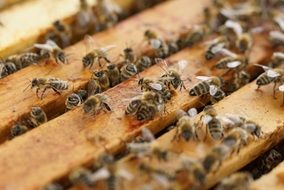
(88, 60)
(35, 82)
(88, 106)
(128, 50)
(111, 66)
(192, 92)
(61, 57)
(59, 26)
(36, 111)
(99, 74)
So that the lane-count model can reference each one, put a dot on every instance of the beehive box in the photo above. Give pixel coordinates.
(68, 149)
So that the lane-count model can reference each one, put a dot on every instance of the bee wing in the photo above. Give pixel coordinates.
(277, 35)
(112, 6)
(89, 43)
(218, 47)
(264, 67)
(182, 64)
(43, 47)
(155, 43)
(108, 48)
(278, 55)
(206, 119)
(203, 78)
(100, 174)
(147, 134)
(272, 74)
(281, 88)
(280, 21)
(52, 44)
(213, 90)
(156, 86)
(192, 112)
(227, 52)
(235, 26)
(233, 64)
(122, 172)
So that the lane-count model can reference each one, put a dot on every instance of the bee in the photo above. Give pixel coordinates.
(158, 87)
(244, 42)
(18, 129)
(208, 85)
(127, 71)
(37, 116)
(76, 99)
(195, 168)
(196, 34)
(232, 30)
(143, 63)
(61, 33)
(94, 86)
(214, 158)
(85, 20)
(236, 181)
(252, 128)
(102, 78)
(53, 186)
(95, 103)
(277, 59)
(51, 49)
(270, 75)
(128, 54)
(113, 74)
(276, 37)
(213, 124)
(236, 139)
(172, 78)
(215, 46)
(3, 70)
(80, 176)
(281, 89)
(272, 159)
(185, 128)
(236, 63)
(240, 79)
(23, 60)
(9, 68)
(160, 46)
(95, 54)
(43, 84)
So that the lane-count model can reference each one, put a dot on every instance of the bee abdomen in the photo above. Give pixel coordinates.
(215, 129)
(263, 79)
(200, 89)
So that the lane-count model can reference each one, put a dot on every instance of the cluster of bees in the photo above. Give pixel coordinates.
(36, 117)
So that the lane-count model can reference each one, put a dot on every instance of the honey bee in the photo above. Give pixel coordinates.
(270, 75)
(113, 74)
(244, 42)
(213, 124)
(240, 79)
(80, 176)
(85, 20)
(127, 71)
(43, 84)
(277, 59)
(95, 54)
(214, 158)
(236, 63)
(215, 46)
(76, 99)
(158, 87)
(196, 34)
(272, 159)
(252, 128)
(208, 85)
(143, 63)
(281, 89)
(172, 78)
(37, 116)
(185, 128)
(107, 13)
(236, 139)
(236, 181)
(51, 49)
(8, 68)
(232, 30)
(24, 59)
(102, 78)
(128, 54)
(145, 107)
(94, 86)
(18, 129)
(95, 103)
(53, 186)
(3, 70)
(276, 37)
(62, 32)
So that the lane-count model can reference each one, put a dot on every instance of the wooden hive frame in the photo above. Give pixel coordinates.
(68, 139)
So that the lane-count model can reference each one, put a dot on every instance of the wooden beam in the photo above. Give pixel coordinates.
(17, 103)
(21, 30)
(66, 139)
(273, 180)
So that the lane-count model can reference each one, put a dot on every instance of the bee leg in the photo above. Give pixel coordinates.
(41, 97)
(37, 91)
(56, 91)
(106, 106)
(274, 90)
(107, 60)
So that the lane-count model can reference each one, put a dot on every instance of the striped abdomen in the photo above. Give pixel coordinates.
(133, 107)
(215, 129)
(200, 89)
(263, 79)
